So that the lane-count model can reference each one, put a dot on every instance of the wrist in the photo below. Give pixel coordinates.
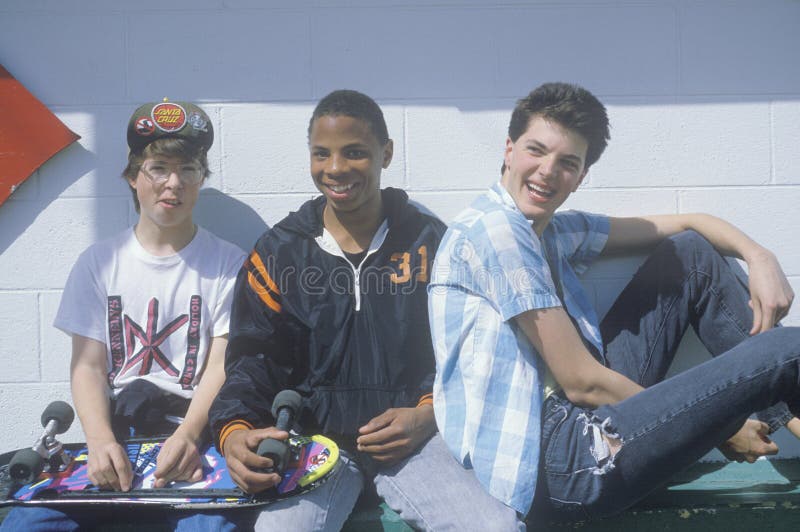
(793, 426)
(229, 429)
(757, 253)
(100, 442)
(99, 435)
(426, 418)
(426, 399)
(189, 432)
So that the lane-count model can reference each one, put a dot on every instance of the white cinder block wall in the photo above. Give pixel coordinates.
(704, 99)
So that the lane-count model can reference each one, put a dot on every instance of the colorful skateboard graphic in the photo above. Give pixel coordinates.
(311, 458)
(55, 474)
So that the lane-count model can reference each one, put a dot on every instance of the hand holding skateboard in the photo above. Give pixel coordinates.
(284, 409)
(260, 470)
(179, 459)
(108, 466)
(247, 469)
(55, 474)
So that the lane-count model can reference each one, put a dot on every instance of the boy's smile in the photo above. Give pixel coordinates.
(543, 167)
(346, 161)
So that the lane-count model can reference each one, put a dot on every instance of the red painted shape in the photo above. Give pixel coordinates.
(29, 134)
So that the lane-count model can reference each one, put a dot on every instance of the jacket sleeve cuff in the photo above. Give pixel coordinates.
(426, 399)
(236, 424)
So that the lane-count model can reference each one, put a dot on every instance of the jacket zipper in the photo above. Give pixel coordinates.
(328, 244)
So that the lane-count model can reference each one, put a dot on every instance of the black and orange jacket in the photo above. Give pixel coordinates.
(352, 343)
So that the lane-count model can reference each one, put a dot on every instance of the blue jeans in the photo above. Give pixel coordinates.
(43, 519)
(673, 422)
(429, 489)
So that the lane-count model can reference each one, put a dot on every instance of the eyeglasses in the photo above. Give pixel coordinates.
(158, 173)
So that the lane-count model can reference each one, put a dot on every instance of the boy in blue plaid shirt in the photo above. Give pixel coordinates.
(557, 412)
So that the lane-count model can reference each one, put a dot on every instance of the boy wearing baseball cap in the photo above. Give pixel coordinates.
(148, 313)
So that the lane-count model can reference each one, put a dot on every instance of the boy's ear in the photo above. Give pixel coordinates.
(507, 153)
(388, 152)
(580, 179)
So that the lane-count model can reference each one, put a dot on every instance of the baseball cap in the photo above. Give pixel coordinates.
(157, 120)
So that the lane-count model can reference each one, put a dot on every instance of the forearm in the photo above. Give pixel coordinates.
(645, 232)
(794, 427)
(584, 380)
(605, 387)
(207, 389)
(245, 396)
(90, 394)
(196, 417)
(724, 236)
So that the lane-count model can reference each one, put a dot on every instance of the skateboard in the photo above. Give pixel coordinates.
(54, 474)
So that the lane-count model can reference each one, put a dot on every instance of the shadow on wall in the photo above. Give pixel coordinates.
(424, 209)
(17, 215)
(228, 218)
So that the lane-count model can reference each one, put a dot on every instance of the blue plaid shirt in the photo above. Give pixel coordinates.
(488, 394)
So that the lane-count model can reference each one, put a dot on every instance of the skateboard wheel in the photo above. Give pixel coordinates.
(26, 466)
(275, 450)
(61, 412)
(286, 399)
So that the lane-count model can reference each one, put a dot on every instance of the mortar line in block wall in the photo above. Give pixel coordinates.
(678, 50)
(40, 340)
(771, 114)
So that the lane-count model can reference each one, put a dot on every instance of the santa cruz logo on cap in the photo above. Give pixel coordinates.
(169, 117)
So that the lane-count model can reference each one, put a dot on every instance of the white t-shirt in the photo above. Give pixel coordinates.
(156, 315)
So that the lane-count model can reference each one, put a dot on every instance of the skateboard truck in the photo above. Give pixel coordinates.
(284, 408)
(46, 454)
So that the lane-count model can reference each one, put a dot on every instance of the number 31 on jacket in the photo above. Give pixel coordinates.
(403, 261)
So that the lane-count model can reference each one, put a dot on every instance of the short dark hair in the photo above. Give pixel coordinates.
(166, 147)
(573, 107)
(353, 104)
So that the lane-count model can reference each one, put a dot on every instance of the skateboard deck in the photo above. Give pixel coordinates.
(310, 460)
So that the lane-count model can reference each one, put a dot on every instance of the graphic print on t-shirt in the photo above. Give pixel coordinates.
(192, 343)
(149, 340)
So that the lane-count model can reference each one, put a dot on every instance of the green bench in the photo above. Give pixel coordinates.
(375, 518)
(715, 496)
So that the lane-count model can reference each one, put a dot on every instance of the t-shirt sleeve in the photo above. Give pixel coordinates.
(582, 236)
(503, 263)
(83, 304)
(222, 311)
